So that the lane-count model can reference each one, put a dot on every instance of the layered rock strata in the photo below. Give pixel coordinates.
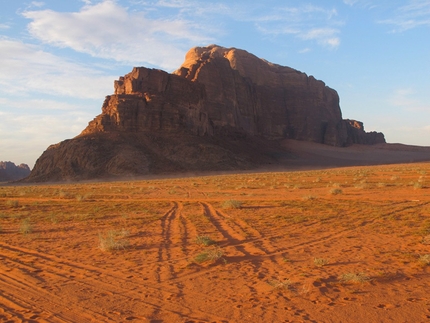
(219, 95)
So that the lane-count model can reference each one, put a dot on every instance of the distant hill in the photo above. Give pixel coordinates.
(11, 172)
(223, 109)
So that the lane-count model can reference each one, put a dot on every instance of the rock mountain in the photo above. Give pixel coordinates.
(223, 109)
(11, 172)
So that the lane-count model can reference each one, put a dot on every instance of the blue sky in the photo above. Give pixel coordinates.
(59, 58)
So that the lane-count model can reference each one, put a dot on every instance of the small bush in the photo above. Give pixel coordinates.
(280, 284)
(25, 226)
(336, 191)
(12, 203)
(204, 240)
(320, 262)
(231, 204)
(424, 259)
(212, 254)
(309, 197)
(418, 185)
(113, 240)
(354, 278)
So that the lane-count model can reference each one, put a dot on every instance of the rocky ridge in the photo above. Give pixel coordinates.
(11, 172)
(224, 108)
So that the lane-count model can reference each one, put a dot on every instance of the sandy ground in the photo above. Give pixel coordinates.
(336, 245)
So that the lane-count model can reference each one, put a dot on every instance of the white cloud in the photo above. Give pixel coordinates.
(4, 26)
(350, 2)
(107, 30)
(324, 36)
(26, 136)
(37, 4)
(412, 15)
(26, 68)
(407, 100)
(307, 23)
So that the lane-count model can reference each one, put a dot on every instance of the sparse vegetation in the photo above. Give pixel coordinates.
(183, 240)
(320, 262)
(12, 203)
(204, 240)
(354, 278)
(113, 240)
(25, 226)
(309, 197)
(336, 191)
(210, 254)
(231, 204)
(280, 284)
(424, 259)
(418, 185)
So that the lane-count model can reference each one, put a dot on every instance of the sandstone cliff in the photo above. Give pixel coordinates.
(231, 92)
(228, 101)
(11, 172)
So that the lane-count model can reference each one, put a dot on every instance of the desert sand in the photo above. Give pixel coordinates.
(334, 245)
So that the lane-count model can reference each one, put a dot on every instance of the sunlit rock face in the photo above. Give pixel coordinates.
(229, 91)
(217, 95)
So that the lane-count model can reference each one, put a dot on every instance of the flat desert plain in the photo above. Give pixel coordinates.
(338, 245)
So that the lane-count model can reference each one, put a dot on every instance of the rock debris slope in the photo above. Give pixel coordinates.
(223, 109)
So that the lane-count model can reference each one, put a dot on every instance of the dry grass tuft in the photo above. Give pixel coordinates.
(354, 278)
(25, 226)
(113, 240)
(231, 204)
(204, 240)
(212, 254)
(425, 259)
(320, 262)
(280, 284)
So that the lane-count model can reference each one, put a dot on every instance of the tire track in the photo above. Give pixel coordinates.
(22, 292)
(88, 280)
(235, 234)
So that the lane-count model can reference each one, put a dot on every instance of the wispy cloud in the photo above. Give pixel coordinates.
(107, 30)
(33, 133)
(27, 68)
(406, 99)
(415, 14)
(306, 22)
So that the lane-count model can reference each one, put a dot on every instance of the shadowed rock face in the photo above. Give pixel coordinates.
(218, 95)
(11, 172)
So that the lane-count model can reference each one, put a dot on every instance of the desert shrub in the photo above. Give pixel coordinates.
(12, 203)
(113, 240)
(418, 185)
(25, 226)
(320, 262)
(309, 197)
(64, 195)
(204, 240)
(280, 284)
(336, 191)
(212, 254)
(424, 259)
(426, 239)
(354, 278)
(231, 204)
